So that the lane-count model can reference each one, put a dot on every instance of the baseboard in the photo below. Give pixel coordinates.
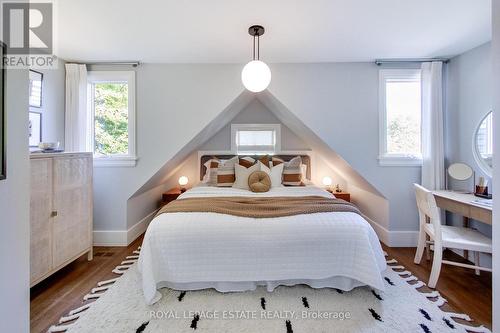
(122, 237)
(394, 238)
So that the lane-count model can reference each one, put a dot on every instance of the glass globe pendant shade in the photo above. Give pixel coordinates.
(256, 76)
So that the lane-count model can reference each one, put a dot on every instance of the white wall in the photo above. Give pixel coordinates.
(14, 209)
(496, 162)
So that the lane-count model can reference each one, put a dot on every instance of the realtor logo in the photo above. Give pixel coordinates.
(28, 35)
(27, 28)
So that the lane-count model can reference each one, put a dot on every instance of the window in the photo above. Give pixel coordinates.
(255, 138)
(400, 117)
(111, 103)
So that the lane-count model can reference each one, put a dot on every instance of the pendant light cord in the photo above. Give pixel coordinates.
(258, 47)
(256, 34)
(254, 47)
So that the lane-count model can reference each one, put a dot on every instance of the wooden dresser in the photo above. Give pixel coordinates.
(60, 211)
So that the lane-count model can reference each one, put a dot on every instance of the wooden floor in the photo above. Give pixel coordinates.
(64, 291)
(465, 291)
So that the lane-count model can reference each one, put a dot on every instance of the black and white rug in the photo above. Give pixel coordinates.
(400, 308)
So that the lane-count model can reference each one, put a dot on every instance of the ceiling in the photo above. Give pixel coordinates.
(201, 31)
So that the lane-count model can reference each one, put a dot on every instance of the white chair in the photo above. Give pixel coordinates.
(443, 236)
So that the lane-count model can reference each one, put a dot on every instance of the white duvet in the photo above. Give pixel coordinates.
(189, 251)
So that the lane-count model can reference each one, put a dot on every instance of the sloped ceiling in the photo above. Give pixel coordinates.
(333, 160)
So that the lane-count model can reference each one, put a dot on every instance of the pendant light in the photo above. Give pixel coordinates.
(256, 75)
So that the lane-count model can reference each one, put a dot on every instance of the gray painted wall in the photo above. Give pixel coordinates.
(53, 96)
(255, 113)
(14, 209)
(469, 99)
(174, 102)
(339, 102)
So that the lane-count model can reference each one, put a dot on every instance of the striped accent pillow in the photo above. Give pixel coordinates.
(265, 160)
(246, 161)
(211, 166)
(225, 172)
(292, 171)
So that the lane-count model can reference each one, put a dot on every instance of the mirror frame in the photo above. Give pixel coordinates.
(488, 170)
(464, 164)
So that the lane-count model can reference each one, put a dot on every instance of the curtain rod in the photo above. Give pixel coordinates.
(395, 61)
(105, 63)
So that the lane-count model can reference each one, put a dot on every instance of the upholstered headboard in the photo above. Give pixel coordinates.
(306, 159)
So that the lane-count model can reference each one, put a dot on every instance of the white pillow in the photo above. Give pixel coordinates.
(303, 170)
(275, 173)
(241, 174)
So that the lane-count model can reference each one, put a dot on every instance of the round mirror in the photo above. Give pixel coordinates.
(460, 171)
(483, 144)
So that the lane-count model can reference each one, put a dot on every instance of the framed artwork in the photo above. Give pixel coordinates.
(35, 128)
(3, 156)
(36, 79)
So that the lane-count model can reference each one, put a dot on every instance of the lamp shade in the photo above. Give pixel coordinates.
(183, 180)
(327, 181)
(256, 76)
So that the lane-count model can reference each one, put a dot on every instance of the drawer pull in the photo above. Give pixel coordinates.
(54, 213)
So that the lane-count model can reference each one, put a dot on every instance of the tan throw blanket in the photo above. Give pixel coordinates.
(259, 207)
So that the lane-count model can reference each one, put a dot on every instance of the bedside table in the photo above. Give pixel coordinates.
(169, 196)
(341, 195)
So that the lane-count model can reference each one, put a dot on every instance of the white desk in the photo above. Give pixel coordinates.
(463, 204)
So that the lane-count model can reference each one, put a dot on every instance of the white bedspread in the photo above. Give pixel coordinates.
(189, 251)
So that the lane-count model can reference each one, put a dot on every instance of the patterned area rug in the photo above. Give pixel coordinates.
(400, 308)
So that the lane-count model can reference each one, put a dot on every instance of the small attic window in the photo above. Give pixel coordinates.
(255, 139)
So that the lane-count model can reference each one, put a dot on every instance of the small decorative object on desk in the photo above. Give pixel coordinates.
(482, 189)
(337, 188)
(183, 180)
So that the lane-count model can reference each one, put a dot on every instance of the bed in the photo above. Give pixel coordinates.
(199, 250)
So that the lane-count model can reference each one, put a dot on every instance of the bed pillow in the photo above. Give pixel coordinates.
(275, 174)
(242, 174)
(259, 181)
(246, 161)
(292, 172)
(225, 172)
(265, 160)
(210, 177)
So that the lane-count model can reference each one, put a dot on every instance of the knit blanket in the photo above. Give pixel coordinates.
(260, 207)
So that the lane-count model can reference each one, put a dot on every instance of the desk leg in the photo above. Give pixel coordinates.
(466, 223)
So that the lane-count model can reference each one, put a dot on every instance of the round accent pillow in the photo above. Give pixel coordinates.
(259, 181)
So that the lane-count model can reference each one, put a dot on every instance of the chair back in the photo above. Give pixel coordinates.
(427, 209)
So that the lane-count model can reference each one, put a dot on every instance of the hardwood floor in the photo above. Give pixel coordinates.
(64, 291)
(465, 291)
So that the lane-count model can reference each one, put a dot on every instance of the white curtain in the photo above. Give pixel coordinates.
(77, 123)
(432, 126)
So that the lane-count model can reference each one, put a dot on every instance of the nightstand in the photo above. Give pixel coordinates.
(169, 196)
(341, 195)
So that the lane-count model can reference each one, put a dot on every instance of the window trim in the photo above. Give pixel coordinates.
(384, 158)
(256, 127)
(119, 160)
